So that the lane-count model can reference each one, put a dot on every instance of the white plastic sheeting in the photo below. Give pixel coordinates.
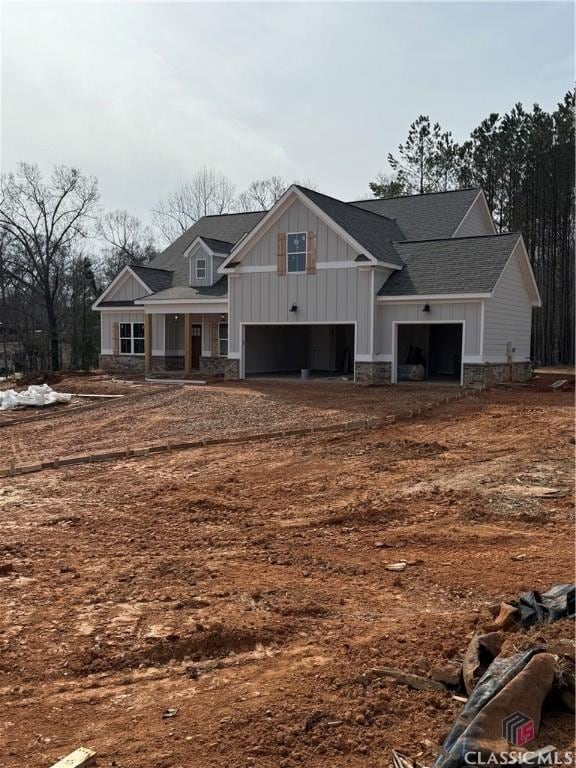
(36, 396)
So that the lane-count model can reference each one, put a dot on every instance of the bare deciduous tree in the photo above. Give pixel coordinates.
(262, 194)
(129, 241)
(44, 220)
(207, 192)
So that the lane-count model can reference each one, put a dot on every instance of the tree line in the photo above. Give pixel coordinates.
(524, 160)
(51, 272)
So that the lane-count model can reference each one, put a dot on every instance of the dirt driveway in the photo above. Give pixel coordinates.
(246, 587)
(215, 410)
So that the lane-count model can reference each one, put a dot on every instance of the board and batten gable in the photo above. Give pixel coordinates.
(508, 314)
(339, 291)
(127, 288)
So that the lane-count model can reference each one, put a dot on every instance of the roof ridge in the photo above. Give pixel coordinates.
(229, 213)
(343, 202)
(456, 239)
(418, 194)
(147, 266)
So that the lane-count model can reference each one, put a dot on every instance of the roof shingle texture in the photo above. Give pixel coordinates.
(155, 279)
(423, 217)
(216, 291)
(453, 265)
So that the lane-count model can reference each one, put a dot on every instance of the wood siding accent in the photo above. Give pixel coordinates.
(281, 253)
(147, 342)
(311, 256)
(214, 338)
(115, 338)
(187, 344)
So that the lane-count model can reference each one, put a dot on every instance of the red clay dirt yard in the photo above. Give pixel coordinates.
(222, 606)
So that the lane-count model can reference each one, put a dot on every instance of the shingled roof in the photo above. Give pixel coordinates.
(413, 233)
(182, 292)
(373, 231)
(427, 216)
(451, 265)
(155, 279)
(226, 228)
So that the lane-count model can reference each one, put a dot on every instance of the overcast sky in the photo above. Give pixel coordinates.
(141, 94)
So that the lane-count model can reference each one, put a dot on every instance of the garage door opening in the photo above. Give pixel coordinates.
(287, 350)
(429, 352)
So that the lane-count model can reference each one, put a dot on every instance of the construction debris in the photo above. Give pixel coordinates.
(80, 758)
(519, 683)
(450, 674)
(413, 681)
(501, 687)
(481, 652)
(36, 396)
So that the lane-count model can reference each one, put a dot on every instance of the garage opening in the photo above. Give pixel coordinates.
(429, 352)
(320, 351)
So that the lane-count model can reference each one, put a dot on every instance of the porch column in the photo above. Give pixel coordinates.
(147, 343)
(187, 345)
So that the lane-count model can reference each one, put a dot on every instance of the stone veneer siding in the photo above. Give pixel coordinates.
(170, 363)
(122, 363)
(487, 374)
(220, 366)
(372, 373)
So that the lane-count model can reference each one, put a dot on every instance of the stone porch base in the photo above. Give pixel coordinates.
(220, 366)
(488, 374)
(132, 364)
(372, 373)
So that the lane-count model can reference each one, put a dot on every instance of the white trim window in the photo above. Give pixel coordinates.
(131, 338)
(201, 268)
(296, 248)
(223, 339)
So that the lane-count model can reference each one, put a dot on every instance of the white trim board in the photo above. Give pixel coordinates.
(433, 297)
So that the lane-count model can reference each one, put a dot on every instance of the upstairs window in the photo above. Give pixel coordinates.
(131, 338)
(201, 269)
(296, 251)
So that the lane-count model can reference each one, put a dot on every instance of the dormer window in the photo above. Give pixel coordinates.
(296, 244)
(201, 269)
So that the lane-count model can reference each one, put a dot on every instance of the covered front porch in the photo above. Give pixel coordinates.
(182, 344)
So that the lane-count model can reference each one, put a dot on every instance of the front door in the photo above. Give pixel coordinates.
(196, 341)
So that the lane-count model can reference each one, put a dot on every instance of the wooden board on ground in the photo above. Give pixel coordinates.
(80, 758)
